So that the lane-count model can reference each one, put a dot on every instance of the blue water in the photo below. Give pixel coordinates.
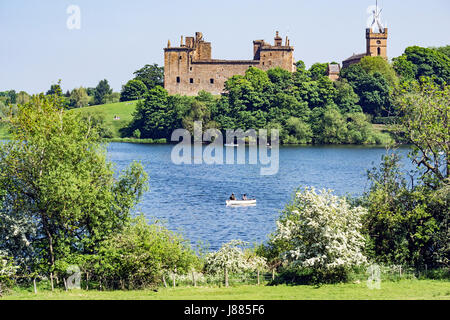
(191, 198)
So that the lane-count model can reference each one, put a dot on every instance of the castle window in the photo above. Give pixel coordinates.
(190, 68)
(379, 51)
(211, 81)
(378, 42)
(263, 63)
(178, 79)
(191, 80)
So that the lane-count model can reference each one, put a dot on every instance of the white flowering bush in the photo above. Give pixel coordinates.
(7, 272)
(231, 257)
(320, 231)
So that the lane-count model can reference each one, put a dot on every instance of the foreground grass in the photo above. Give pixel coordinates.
(401, 290)
(123, 110)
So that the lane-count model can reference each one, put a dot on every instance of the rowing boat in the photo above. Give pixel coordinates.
(249, 202)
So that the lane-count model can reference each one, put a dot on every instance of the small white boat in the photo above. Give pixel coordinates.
(231, 145)
(248, 202)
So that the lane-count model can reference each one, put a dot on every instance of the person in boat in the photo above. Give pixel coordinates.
(232, 197)
(244, 197)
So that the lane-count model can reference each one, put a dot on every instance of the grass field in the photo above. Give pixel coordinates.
(123, 110)
(400, 290)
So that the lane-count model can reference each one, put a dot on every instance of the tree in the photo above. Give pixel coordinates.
(229, 258)
(133, 90)
(22, 97)
(373, 89)
(101, 92)
(318, 70)
(321, 232)
(158, 114)
(78, 98)
(380, 65)
(140, 254)
(429, 63)
(424, 110)
(7, 272)
(150, 75)
(59, 196)
(402, 220)
(55, 89)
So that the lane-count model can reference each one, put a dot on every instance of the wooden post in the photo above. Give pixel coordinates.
(65, 283)
(273, 274)
(400, 271)
(164, 280)
(87, 280)
(34, 285)
(258, 278)
(173, 279)
(193, 278)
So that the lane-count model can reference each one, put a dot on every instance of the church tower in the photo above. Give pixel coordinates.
(376, 37)
(376, 43)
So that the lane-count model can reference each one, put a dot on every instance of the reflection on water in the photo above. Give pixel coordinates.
(191, 198)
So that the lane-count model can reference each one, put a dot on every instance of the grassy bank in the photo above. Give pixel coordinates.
(122, 110)
(403, 290)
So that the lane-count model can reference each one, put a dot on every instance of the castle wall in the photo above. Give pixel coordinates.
(189, 68)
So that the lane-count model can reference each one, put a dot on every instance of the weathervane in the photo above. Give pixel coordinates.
(376, 19)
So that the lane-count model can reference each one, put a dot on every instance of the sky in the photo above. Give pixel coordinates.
(116, 38)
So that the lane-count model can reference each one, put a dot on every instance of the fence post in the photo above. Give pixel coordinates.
(193, 278)
(164, 280)
(258, 278)
(173, 279)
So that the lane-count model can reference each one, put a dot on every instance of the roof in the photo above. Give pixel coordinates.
(356, 56)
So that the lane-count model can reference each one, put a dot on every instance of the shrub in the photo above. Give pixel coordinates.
(321, 232)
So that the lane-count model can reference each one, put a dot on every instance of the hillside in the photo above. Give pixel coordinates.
(123, 110)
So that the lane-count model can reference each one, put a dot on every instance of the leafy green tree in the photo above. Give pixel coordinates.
(445, 50)
(299, 132)
(78, 98)
(429, 63)
(399, 222)
(424, 110)
(380, 65)
(158, 114)
(150, 75)
(373, 89)
(346, 98)
(329, 126)
(318, 70)
(404, 68)
(133, 90)
(22, 97)
(60, 197)
(141, 253)
(55, 89)
(102, 91)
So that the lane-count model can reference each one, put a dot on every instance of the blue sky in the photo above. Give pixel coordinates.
(118, 37)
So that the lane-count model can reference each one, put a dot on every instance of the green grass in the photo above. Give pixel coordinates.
(401, 290)
(123, 110)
